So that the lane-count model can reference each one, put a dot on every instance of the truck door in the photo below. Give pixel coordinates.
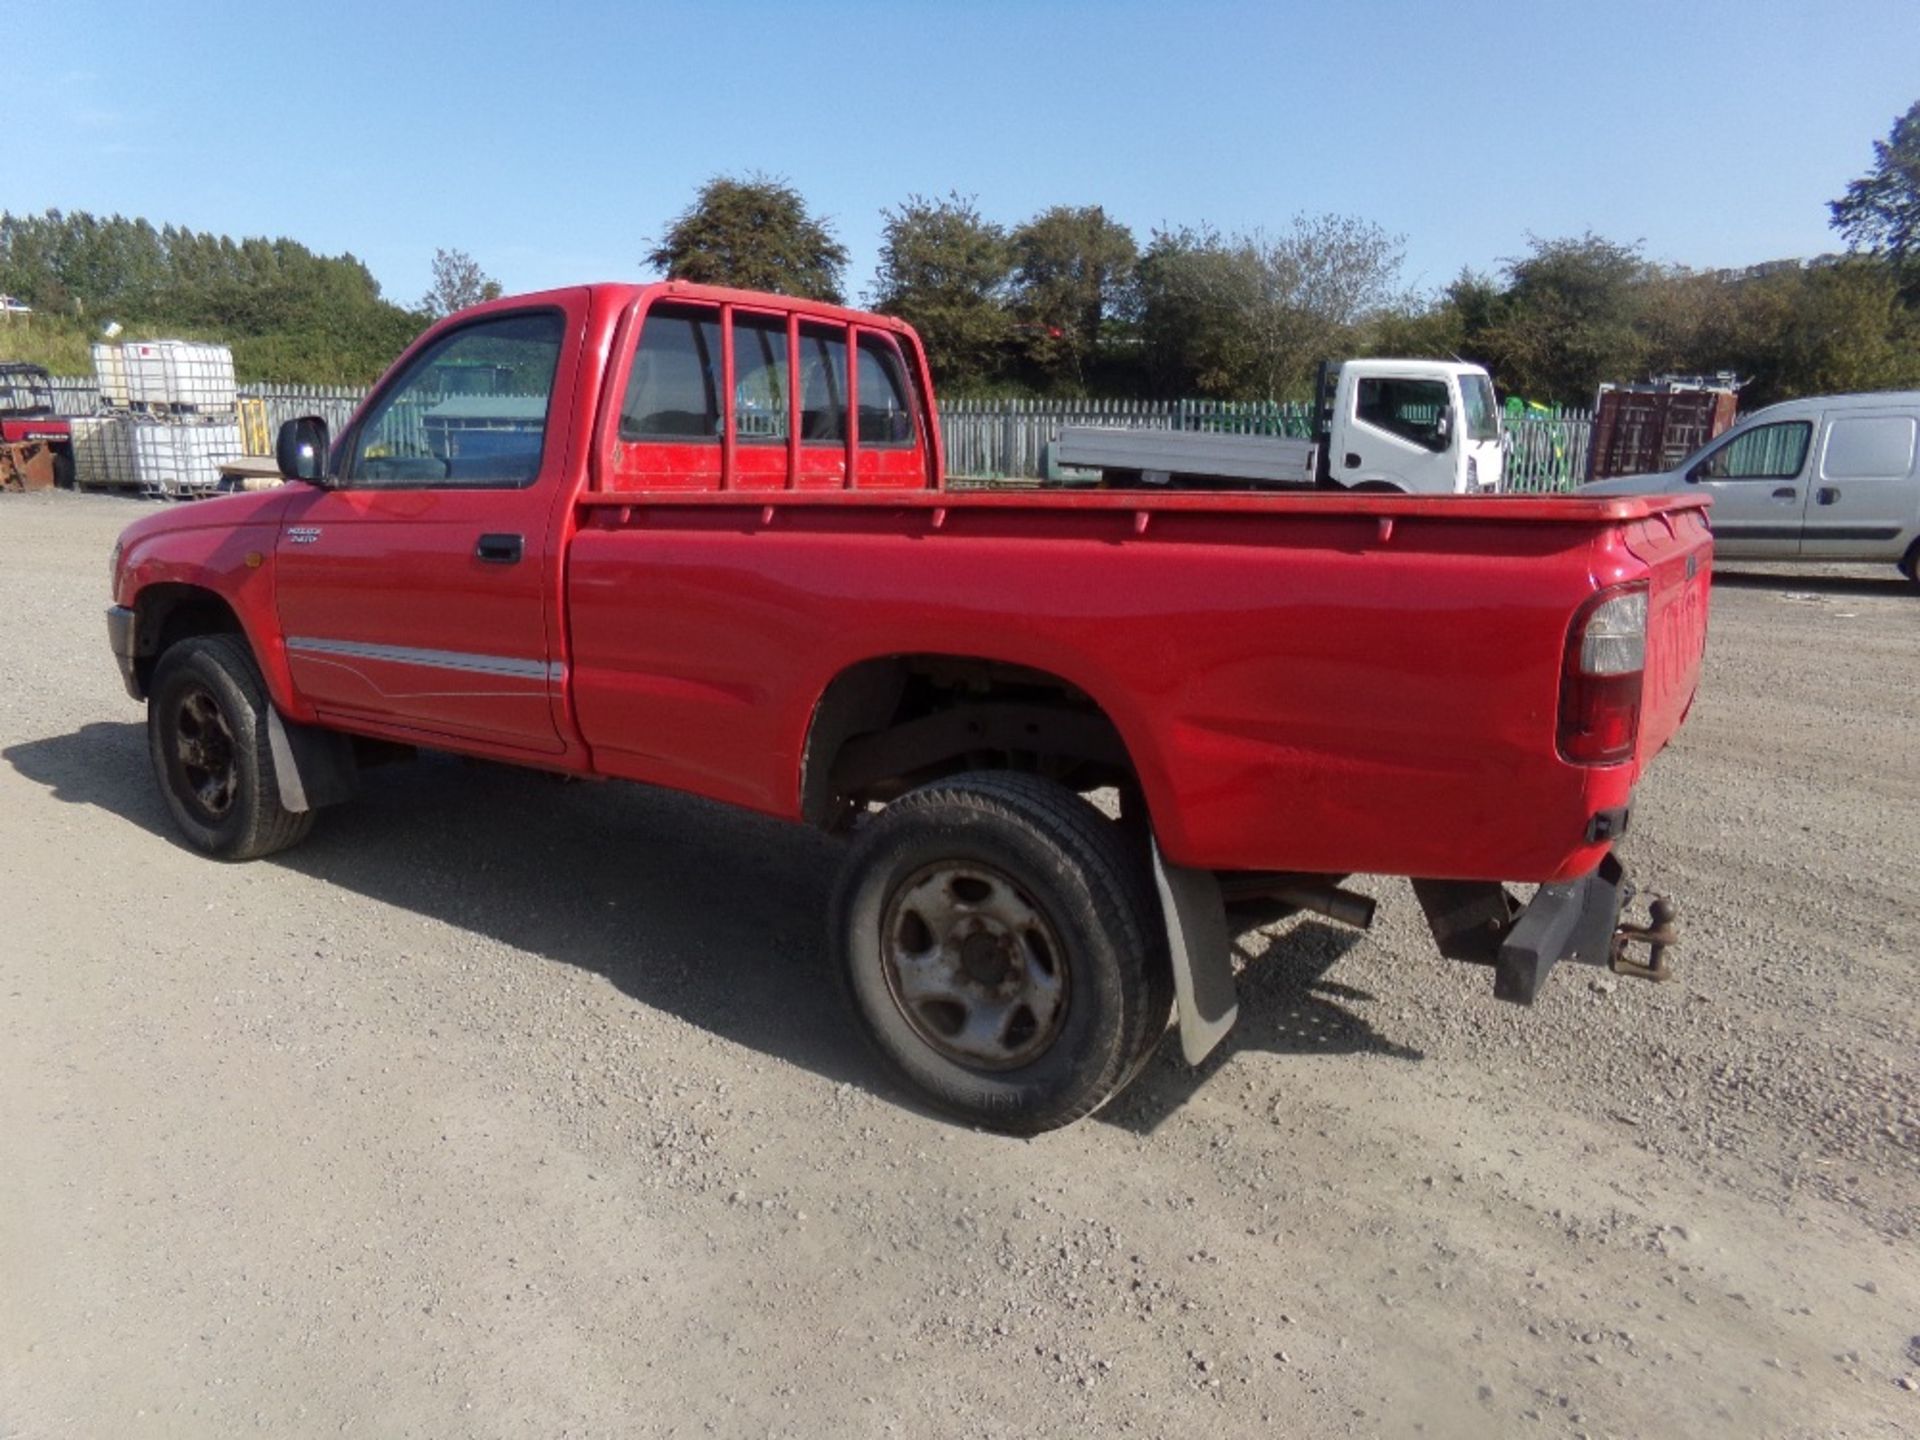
(1480, 433)
(1865, 492)
(1395, 435)
(1758, 480)
(416, 593)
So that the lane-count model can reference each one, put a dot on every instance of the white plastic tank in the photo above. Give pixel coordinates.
(182, 458)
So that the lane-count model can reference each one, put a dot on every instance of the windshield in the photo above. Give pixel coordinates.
(25, 391)
(1476, 408)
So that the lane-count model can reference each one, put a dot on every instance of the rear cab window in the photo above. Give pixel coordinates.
(718, 396)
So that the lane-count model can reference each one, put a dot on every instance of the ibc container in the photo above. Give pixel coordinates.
(179, 376)
(110, 375)
(103, 452)
(182, 458)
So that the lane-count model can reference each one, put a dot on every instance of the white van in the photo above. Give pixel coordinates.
(1831, 477)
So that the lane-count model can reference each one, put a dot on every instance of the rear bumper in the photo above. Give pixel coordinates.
(1568, 920)
(1573, 920)
(120, 635)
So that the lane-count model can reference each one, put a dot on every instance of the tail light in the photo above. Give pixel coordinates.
(1600, 678)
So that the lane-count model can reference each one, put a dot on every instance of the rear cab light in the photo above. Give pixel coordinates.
(1601, 677)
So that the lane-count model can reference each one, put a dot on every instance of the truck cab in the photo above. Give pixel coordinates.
(1424, 427)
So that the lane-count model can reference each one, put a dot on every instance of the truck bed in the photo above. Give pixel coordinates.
(1293, 674)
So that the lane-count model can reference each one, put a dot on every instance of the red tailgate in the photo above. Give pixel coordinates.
(1677, 548)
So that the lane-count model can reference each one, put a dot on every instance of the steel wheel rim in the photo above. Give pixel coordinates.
(974, 966)
(204, 753)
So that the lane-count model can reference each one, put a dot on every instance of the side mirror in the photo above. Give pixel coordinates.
(301, 450)
(1443, 428)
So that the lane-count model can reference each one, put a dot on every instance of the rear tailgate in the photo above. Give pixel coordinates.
(1677, 548)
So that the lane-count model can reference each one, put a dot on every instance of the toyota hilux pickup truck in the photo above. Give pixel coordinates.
(701, 538)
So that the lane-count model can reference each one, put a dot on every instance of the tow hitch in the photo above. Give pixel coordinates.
(1659, 934)
(1483, 923)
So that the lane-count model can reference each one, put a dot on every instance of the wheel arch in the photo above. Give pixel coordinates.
(885, 724)
(169, 611)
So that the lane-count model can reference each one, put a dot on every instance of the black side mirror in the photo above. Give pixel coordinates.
(301, 450)
(1442, 429)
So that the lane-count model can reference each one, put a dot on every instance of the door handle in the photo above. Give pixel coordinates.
(1786, 492)
(1827, 494)
(500, 549)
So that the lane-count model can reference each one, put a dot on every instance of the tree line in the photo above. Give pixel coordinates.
(1071, 301)
(288, 313)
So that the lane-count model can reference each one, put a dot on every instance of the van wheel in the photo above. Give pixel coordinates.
(207, 736)
(1910, 566)
(1000, 944)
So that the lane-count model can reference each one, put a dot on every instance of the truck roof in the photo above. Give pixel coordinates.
(620, 293)
(1857, 400)
(1429, 369)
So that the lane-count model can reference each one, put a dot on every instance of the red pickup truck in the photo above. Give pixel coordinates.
(701, 538)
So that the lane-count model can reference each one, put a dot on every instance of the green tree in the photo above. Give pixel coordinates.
(288, 313)
(754, 233)
(1249, 315)
(458, 282)
(1072, 269)
(1880, 212)
(944, 270)
(1568, 319)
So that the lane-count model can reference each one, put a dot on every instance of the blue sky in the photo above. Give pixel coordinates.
(554, 141)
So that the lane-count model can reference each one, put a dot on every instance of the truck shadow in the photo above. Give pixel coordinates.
(693, 908)
(1287, 1007)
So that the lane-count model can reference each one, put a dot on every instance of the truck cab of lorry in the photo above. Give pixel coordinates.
(1412, 427)
(1425, 427)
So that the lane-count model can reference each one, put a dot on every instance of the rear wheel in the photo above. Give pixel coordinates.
(1001, 945)
(63, 469)
(207, 736)
(1910, 566)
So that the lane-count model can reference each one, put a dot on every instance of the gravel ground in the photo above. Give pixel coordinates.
(509, 1107)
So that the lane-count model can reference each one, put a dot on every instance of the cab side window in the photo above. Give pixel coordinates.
(823, 381)
(760, 384)
(1410, 409)
(1766, 452)
(673, 392)
(886, 417)
(468, 413)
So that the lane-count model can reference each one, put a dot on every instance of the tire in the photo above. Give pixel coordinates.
(1910, 566)
(1001, 945)
(63, 471)
(207, 738)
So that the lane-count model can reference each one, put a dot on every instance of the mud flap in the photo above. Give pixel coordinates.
(1201, 952)
(314, 767)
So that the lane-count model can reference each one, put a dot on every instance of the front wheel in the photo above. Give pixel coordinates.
(207, 736)
(1000, 942)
